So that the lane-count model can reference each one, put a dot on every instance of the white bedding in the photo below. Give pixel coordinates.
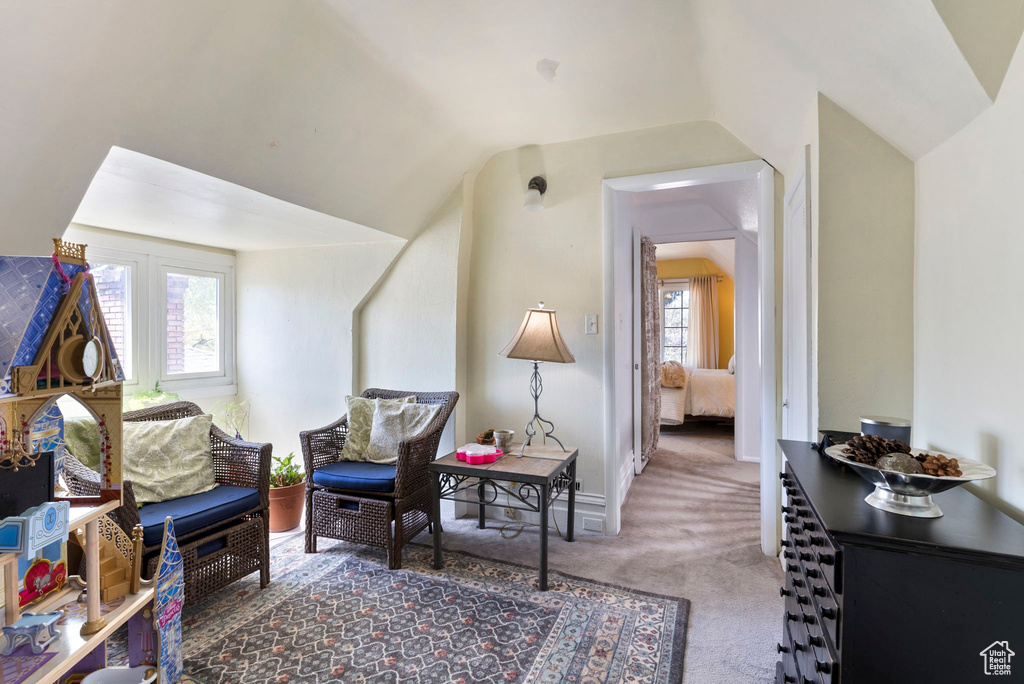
(709, 392)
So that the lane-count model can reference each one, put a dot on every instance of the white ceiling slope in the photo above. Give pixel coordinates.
(372, 111)
(151, 197)
(277, 97)
(752, 65)
(736, 202)
(624, 65)
(893, 65)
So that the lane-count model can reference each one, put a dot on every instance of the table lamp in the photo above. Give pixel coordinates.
(538, 340)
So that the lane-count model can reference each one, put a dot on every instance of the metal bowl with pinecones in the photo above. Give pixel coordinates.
(879, 461)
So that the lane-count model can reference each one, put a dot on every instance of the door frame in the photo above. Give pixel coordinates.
(638, 361)
(792, 260)
(618, 305)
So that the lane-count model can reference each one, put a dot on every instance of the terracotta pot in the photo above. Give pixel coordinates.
(286, 507)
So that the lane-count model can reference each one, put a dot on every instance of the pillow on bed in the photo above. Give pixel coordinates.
(673, 374)
(732, 365)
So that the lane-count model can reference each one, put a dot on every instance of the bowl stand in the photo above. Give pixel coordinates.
(903, 504)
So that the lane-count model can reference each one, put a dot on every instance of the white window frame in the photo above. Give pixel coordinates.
(135, 263)
(671, 285)
(151, 260)
(225, 325)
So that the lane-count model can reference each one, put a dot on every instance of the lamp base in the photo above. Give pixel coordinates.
(531, 432)
(536, 387)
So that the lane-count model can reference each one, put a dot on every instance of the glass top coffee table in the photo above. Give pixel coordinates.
(541, 476)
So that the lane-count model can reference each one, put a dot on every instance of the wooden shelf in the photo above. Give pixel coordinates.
(80, 515)
(72, 646)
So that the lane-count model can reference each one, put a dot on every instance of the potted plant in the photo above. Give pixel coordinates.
(287, 494)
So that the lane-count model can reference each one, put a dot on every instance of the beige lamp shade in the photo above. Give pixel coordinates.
(538, 339)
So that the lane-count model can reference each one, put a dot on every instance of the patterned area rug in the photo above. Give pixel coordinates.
(341, 616)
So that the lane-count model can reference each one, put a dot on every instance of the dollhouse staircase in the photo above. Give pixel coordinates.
(115, 559)
(115, 577)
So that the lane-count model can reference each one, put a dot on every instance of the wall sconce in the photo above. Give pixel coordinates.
(537, 187)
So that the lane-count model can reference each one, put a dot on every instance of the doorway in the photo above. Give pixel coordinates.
(668, 208)
(692, 353)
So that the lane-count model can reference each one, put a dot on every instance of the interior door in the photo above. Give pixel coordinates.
(638, 462)
(796, 312)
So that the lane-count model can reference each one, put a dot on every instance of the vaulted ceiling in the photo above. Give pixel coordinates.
(371, 111)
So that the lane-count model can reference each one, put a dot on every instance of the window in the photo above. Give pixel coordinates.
(170, 312)
(675, 319)
(192, 338)
(114, 282)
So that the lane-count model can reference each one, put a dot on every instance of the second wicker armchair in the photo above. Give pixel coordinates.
(369, 503)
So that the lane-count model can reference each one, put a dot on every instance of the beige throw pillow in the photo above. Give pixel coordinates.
(392, 424)
(673, 374)
(168, 459)
(360, 420)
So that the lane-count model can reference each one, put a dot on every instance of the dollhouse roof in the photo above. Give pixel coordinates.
(30, 290)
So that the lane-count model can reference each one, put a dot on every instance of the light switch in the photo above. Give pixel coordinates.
(590, 324)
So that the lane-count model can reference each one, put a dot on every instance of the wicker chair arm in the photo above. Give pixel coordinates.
(240, 463)
(80, 479)
(322, 446)
(413, 457)
(127, 515)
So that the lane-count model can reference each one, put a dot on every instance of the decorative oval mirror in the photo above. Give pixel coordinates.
(92, 358)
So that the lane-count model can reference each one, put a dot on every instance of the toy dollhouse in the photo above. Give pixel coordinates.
(55, 343)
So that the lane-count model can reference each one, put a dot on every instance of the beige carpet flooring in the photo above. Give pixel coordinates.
(690, 529)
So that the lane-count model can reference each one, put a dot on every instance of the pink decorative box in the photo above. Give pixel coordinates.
(478, 459)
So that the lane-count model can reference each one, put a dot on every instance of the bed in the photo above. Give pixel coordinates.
(709, 392)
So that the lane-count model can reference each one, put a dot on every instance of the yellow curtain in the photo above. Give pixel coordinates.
(702, 342)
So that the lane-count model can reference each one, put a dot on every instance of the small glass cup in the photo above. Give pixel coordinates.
(503, 439)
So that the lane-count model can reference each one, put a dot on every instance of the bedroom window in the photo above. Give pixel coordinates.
(675, 319)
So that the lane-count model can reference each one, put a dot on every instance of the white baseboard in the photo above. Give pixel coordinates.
(626, 475)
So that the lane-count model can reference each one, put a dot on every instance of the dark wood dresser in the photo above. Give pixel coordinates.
(873, 598)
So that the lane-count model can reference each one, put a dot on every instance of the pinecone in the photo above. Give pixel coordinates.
(486, 437)
(939, 465)
(868, 449)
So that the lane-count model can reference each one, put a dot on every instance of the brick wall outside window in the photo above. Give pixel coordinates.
(111, 285)
(176, 287)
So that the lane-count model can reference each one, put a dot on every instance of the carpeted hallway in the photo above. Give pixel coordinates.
(690, 529)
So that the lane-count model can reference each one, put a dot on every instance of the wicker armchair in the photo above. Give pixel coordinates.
(388, 519)
(215, 554)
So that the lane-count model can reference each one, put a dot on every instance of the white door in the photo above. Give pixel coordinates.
(638, 353)
(796, 313)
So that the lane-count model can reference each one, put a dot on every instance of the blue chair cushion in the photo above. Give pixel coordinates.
(191, 513)
(356, 475)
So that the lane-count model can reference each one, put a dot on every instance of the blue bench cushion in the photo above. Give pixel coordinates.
(191, 513)
(356, 475)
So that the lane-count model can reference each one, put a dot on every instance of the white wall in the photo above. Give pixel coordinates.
(866, 273)
(294, 333)
(968, 315)
(556, 256)
(408, 327)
